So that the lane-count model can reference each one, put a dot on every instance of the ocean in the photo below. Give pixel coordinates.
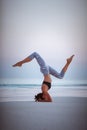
(26, 89)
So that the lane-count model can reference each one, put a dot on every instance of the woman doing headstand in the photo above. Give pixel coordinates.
(47, 70)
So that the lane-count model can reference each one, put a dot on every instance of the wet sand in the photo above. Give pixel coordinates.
(64, 113)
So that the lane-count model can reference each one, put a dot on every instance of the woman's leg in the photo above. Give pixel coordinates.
(19, 64)
(67, 64)
(41, 62)
(61, 74)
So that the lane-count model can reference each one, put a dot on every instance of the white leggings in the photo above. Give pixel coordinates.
(46, 69)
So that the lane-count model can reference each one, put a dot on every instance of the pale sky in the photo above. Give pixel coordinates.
(55, 29)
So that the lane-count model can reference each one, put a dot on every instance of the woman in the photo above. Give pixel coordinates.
(44, 96)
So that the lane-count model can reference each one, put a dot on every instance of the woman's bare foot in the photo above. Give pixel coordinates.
(19, 64)
(70, 59)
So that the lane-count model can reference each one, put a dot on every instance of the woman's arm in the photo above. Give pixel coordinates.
(47, 97)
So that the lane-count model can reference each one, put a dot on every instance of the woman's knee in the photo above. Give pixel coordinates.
(61, 74)
(35, 54)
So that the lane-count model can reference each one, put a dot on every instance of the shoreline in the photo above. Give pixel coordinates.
(27, 94)
(6, 100)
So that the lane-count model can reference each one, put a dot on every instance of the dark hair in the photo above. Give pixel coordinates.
(39, 96)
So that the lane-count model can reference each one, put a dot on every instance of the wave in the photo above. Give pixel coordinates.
(37, 85)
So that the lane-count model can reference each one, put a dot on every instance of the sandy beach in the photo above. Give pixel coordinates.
(64, 113)
(68, 111)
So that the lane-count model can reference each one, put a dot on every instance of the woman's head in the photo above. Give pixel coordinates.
(39, 97)
(43, 97)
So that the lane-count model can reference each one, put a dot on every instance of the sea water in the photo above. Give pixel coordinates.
(26, 89)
